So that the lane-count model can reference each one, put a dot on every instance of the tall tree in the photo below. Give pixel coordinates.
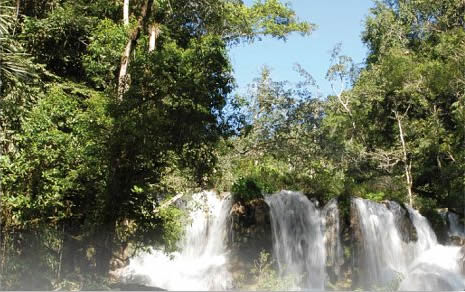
(405, 102)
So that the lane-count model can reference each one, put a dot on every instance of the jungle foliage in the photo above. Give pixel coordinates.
(103, 118)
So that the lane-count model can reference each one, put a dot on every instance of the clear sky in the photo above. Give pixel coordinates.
(337, 21)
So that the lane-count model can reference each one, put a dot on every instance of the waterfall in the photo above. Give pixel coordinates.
(397, 248)
(385, 255)
(297, 238)
(201, 263)
(455, 228)
(416, 265)
(436, 267)
(426, 236)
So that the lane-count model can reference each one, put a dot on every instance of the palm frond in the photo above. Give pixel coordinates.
(15, 64)
(7, 18)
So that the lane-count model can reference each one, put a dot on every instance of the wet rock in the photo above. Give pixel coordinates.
(403, 221)
(332, 241)
(457, 240)
(438, 223)
(455, 228)
(357, 247)
(249, 234)
(134, 287)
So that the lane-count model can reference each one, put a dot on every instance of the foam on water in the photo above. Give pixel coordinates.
(298, 238)
(422, 265)
(455, 228)
(201, 263)
(305, 239)
(436, 267)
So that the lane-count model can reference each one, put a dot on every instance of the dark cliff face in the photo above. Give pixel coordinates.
(250, 226)
(249, 234)
(333, 239)
(356, 246)
(448, 232)
(403, 221)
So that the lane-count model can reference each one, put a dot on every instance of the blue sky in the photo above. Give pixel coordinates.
(337, 21)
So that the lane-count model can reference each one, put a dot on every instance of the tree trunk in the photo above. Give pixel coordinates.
(407, 162)
(123, 73)
(60, 255)
(154, 33)
(125, 59)
(115, 194)
(126, 12)
(18, 6)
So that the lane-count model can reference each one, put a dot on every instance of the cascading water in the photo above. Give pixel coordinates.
(385, 255)
(201, 263)
(455, 228)
(297, 238)
(332, 238)
(422, 264)
(436, 267)
(396, 243)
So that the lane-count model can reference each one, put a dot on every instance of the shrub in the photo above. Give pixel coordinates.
(246, 189)
(267, 278)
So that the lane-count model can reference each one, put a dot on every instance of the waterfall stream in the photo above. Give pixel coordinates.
(417, 265)
(385, 255)
(398, 248)
(201, 263)
(455, 228)
(298, 238)
(435, 267)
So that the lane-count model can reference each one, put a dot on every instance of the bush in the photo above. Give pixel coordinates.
(267, 278)
(246, 189)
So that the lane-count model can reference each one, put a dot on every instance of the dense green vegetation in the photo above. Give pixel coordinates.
(106, 115)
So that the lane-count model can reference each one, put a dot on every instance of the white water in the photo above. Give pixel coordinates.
(201, 263)
(455, 228)
(424, 265)
(297, 238)
(385, 254)
(303, 240)
(436, 267)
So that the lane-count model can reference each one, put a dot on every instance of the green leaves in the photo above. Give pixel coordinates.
(59, 40)
(78, 156)
(268, 17)
(103, 55)
(15, 65)
(57, 152)
(408, 90)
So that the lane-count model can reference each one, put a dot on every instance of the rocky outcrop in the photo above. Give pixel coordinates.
(249, 234)
(403, 221)
(457, 240)
(250, 225)
(357, 246)
(332, 241)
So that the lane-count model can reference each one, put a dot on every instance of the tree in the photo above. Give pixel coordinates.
(405, 101)
(96, 156)
(281, 143)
